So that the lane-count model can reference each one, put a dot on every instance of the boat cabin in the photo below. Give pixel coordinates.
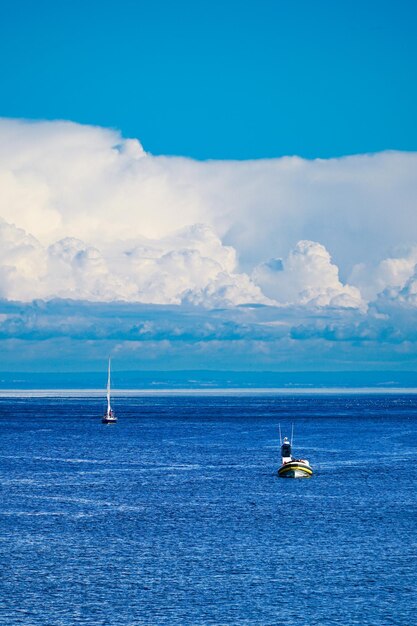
(286, 450)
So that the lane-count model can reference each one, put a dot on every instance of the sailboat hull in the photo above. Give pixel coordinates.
(109, 419)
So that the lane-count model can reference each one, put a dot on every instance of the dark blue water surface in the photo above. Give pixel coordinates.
(175, 514)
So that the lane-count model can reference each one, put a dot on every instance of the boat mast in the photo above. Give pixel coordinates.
(292, 432)
(108, 390)
(280, 438)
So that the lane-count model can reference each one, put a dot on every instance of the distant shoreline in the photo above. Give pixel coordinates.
(71, 393)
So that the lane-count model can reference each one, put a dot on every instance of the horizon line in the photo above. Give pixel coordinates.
(96, 393)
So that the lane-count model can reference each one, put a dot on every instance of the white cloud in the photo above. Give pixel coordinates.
(227, 289)
(88, 214)
(307, 277)
(399, 297)
(392, 272)
(190, 266)
(62, 179)
(22, 261)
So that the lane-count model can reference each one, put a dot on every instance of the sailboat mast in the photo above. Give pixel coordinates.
(108, 390)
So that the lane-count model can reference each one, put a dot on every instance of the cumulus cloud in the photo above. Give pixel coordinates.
(390, 273)
(22, 261)
(307, 276)
(60, 179)
(399, 298)
(191, 266)
(291, 251)
(409, 291)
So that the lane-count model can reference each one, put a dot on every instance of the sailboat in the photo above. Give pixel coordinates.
(109, 417)
(292, 468)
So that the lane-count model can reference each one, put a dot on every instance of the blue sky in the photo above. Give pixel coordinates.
(224, 80)
(150, 206)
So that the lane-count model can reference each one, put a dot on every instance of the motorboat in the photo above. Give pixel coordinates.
(291, 467)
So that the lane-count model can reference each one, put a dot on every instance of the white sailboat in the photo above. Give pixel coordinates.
(109, 417)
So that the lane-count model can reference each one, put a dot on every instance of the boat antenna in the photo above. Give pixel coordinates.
(280, 438)
(292, 432)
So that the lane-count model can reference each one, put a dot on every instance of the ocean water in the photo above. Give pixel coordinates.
(176, 516)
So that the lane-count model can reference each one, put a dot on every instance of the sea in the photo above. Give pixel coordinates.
(175, 515)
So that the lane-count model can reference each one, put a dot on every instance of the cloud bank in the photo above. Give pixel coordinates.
(87, 215)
